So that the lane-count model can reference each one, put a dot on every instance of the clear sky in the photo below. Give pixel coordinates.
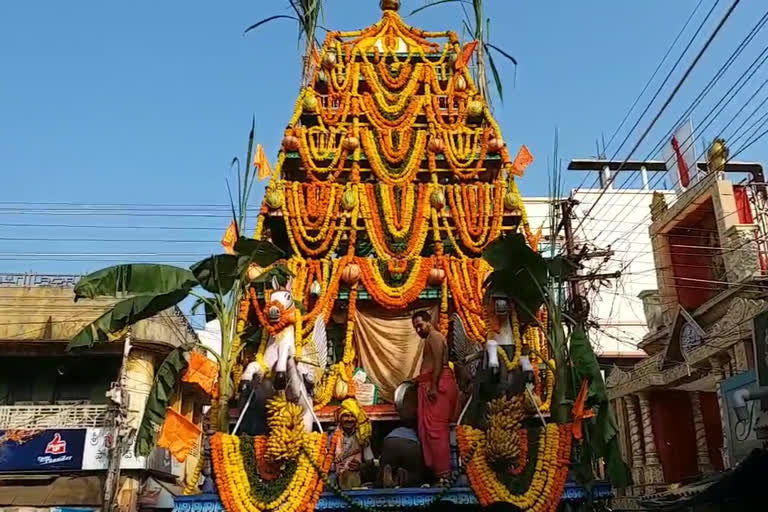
(145, 103)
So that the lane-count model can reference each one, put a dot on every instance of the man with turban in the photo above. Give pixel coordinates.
(353, 457)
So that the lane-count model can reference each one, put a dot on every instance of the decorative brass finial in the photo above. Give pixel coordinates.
(717, 155)
(389, 5)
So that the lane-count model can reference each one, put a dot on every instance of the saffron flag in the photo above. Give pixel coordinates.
(179, 435)
(202, 371)
(466, 53)
(523, 159)
(679, 154)
(261, 163)
(229, 238)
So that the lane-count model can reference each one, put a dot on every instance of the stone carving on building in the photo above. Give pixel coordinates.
(653, 473)
(658, 205)
(655, 316)
(734, 325)
(635, 440)
(702, 450)
(742, 257)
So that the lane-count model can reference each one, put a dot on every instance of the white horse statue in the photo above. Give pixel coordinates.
(286, 373)
(472, 359)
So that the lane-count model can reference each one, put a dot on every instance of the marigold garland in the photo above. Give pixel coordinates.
(547, 467)
(302, 487)
(406, 170)
(411, 242)
(394, 297)
(477, 212)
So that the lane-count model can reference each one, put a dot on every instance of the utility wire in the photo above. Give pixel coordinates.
(668, 101)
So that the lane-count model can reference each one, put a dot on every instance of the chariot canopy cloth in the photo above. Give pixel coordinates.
(390, 350)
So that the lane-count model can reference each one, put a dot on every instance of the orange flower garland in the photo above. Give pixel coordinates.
(373, 218)
(487, 215)
(548, 479)
(382, 171)
(398, 297)
(299, 495)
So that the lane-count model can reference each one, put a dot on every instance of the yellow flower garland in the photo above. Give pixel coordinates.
(543, 495)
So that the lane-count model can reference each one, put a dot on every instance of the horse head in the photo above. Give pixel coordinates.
(280, 308)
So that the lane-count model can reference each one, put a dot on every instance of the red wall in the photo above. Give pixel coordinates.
(710, 409)
(692, 248)
(672, 421)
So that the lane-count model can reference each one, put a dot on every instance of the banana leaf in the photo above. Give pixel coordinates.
(113, 324)
(210, 313)
(518, 272)
(134, 279)
(261, 252)
(217, 274)
(159, 399)
(602, 432)
(281, 272)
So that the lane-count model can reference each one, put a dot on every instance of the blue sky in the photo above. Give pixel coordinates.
(145, 103)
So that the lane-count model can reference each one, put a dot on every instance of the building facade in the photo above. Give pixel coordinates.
(58, 409)
(673, 407)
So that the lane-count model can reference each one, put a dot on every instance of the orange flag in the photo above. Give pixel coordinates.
(534, 238)
(523, 159)
(178, 435)
(202, 371)
(229, 238)
(261, 163)
(466, 53)
(579, 413)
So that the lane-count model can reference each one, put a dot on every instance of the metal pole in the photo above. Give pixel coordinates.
(245, 409)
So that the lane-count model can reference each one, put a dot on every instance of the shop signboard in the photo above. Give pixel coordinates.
(41, 450)
(760, 339)
(741, 435)
(96, 455)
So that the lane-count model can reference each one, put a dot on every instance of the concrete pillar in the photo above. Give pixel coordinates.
(717, 370)
(635, 440)
(702, 450)
(724, 205)
(741, 361)
(653, 473)
(139, 376)
(665, 280)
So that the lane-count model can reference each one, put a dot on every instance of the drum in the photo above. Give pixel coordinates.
(407, 400)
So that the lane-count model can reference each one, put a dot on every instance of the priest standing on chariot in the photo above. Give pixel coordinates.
(437, 397)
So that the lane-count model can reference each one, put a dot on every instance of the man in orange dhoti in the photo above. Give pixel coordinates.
(437, 397)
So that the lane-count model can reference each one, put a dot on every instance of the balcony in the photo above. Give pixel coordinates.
(53, 416)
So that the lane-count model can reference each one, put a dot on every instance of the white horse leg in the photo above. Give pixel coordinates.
(309, 413)
(297, 392)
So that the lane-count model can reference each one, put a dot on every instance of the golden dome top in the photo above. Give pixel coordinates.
(389, 5)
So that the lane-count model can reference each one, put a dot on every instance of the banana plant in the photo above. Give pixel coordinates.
(144, 290)
(307, 14)
(523, 276)
(479, 27)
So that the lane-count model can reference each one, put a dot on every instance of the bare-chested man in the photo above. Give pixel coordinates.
(437, 397)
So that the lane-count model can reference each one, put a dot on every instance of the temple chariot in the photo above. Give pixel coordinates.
(392, 180)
